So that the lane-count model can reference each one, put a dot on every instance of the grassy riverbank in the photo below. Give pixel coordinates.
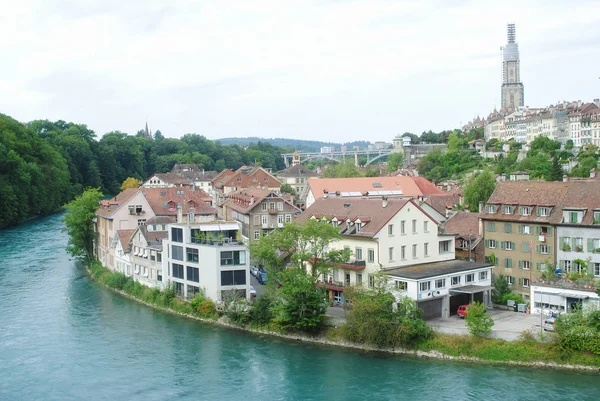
(529, 351)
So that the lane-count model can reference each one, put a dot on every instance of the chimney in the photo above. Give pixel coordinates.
(597, 102)
(384, 202)
(480, 227)
(593, 173)
(480, 207)
(252, 200)
(179, 214)
(565, 178)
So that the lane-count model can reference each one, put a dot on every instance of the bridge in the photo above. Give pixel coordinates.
(338, 156)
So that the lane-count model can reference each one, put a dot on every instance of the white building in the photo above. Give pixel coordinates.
(147, 250)
(562, 297)
(397, 237)
(206, 256)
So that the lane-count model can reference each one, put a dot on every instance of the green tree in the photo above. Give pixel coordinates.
(287, 189)
(79, 223)
(556, 171)
(479, 189)
(343, 169)
(500, 290)
(569, 144)
(395, 161)
(478, 320)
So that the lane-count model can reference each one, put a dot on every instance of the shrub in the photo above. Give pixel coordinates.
(479, 321)
(518, 298)
(207, 309)
(579, 331)
(262, 310)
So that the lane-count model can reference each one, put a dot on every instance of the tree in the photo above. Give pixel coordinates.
(556, 171)
(130, 182)
(478, 320)
(479, 189)
(343, 169)
(395, 161)
(287, 189)
(500, 290)
(569, 144)
(79, 223)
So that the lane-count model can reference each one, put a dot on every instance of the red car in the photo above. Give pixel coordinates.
(462, 311)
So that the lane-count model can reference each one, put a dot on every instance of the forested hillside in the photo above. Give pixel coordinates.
(45, 164)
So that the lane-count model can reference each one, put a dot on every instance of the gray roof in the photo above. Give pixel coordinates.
(425, 270)
(297, 170)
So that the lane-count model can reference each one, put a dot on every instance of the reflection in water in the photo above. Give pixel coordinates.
(63, 337)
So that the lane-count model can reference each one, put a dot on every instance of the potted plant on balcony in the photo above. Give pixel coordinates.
(566, 247)
(578, 248)
(220, 239)
(238, 237)
(203, 238)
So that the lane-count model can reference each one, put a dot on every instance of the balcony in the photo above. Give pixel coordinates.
(357, 265)
(273, 211)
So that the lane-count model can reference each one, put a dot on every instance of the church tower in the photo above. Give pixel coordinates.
(512, 89)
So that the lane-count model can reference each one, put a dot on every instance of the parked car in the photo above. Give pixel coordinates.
(253, 293)
(262, 276)
(549, 324)
(254, 270)
(462, 311)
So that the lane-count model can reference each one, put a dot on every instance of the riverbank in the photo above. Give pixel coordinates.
(524, 353)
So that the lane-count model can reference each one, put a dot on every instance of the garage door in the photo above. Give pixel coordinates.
(431, 309)
(457, 300)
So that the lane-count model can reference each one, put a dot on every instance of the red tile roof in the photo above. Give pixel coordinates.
(124, 237)
(464, 224)
(164, 201)
(109, 206)
(410, 186)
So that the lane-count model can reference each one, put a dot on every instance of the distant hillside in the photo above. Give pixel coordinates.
(299, 144)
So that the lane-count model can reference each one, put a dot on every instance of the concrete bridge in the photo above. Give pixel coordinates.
(338, 156)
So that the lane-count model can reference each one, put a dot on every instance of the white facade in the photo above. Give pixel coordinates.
(146, 261)
(548, 299)
(191, 264)
(122, 259)
(582, 242)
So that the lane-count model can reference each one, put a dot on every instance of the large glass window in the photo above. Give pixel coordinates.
(191, 255)
(193, 274)
(177, 270)
(176, 234)
(233, 258)
(176, 252)
(233, 277)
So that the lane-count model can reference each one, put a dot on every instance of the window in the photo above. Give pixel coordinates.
(176, 252)
(192, 274)
(578, 244)
(358, 254)
(543, 249)
(391, 253)
(426, 226)
(526, 247)
(441, 283)
(279, 205)
(566, 265)
(414, 251)
(596, 217)
(507, 245)
(403, 252)
(192, 255)
(256, 219)
(543, 211)
(177, 271)
(508, 263)
(483, 276)
(402, 227)
(271, 205)
(264, 219)
(233, 277)
(508, 228)
(510, 280)
(525, 210)
(371, 255)
(594, 245)
(288, 218)
(178, 289)
(159, 256)
(492, 209)
(400, 285)
(233, 258)
(414, 226)
(456, 280)
(425, 286)
(193, 291)
(525, 282)
(523, 229)
(257, 234)
(141, 222)
(469, 278)
(426, 249)
(524, 264)
(358, 278)
(280, 219)
(176, 234)
(264, 207)
(491, 227)
(390, 230)
(573, 217)
(490, 243)
(506, 209)
(371, 281)
(445, 246)
(596, 268)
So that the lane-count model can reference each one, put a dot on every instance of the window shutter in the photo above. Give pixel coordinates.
(520, 281)
(509, 262)
(549, 248)
(561, 241)
(524, 246)
(590, 247)
(549, 231)
(514, 245)
(537, 249)
(501, 244)
(520, 264)
(520, 229)
(537, 230)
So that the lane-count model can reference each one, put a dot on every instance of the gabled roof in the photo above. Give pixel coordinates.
(297, 170)
(370, 212)
(465, 225)
(153, 237)
(164, 201)
(444, 202)
(410, 186)
(124, 237)
(172, 178)
(221, 178)
(244, 200)
(109, 206)
(246, 177)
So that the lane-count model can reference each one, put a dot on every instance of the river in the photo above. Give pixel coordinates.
(63, 337)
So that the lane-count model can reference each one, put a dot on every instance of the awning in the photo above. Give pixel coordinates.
(470, 289)
(219, 227)
(573, 295)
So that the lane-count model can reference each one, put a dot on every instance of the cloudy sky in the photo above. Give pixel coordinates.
(336, 70)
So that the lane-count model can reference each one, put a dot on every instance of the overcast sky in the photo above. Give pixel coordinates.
(328, 70)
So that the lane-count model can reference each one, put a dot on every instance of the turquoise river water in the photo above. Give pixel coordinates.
(63, 337)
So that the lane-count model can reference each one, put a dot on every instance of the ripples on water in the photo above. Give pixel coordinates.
(63, 337)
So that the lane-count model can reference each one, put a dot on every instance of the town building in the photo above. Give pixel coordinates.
(146, 251)
(397, 187)
(468, 229)
(297, 177)
(206, 257)
(259, 210)
(512, 88)
(245, 177)
(399, 238)
(561, 296)
(182, 175)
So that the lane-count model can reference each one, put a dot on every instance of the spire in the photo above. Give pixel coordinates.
(511, 33)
